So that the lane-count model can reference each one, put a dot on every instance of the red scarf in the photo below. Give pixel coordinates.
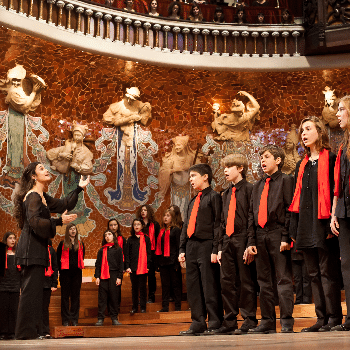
(120, 242)
(105, 267)
(166, 243)
(142, 261)
(151, 236)
(323, 186)
(48, 270)
(18, 266)
(65, 257)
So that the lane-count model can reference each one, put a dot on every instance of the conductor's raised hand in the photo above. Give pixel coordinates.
(83, 183)
(66, 219)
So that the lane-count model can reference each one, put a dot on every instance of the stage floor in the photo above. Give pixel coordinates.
(297, 341)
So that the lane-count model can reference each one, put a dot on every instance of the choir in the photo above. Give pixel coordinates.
(234, 245)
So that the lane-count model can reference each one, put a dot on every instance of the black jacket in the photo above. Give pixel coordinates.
(115, 261)
(132, 256)
(175, 233)
(39, 226)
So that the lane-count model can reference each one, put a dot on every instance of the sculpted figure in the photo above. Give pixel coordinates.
(23, 94)
(74, 154)
(235, 126)
(290, 148)
(127, 112)
(330, 108)
(176, 164)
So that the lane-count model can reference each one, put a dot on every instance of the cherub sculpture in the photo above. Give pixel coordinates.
(74, 154)
(330, 108)
(291, 150)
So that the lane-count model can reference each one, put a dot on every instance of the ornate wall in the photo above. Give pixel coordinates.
(81, 86)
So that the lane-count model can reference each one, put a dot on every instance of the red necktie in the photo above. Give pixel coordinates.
(192, 222)
(230, 226)
(262, 216)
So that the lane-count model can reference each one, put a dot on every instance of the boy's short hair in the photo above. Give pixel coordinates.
(276, 151)
(203, 169)
(236, 159)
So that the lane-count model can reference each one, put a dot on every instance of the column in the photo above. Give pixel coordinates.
(255, 35)
(275, 36)
(205, 32)
(195, 32)
(225, 34)
(265, 35)
(235, 34)
(166, 29)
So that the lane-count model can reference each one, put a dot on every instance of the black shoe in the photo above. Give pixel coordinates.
(287, 329)
(99, 322)
(65, 324)
(163, 310)
(150, 300)
(74, 323)
(115, 323)
(262, 329)
(341, 328)
(313, 328)
(245, 328)
(143, 311)
(133, 311)
(221, 330)
(326, 328)
(190, 332)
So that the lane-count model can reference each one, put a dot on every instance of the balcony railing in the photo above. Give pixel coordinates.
(162, 34)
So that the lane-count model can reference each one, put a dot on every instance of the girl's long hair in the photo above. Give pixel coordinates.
(150, 213)
(323, 139)
(172, 214)
(115, 239)
(7, 235)
(177, 216)
(26, 184)
(119, 233)
(346, 143)
(67, 242)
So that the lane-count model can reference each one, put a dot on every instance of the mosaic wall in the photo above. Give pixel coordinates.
(81, 87)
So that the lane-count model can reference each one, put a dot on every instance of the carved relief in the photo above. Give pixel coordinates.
(236, 126)
(74, 154)
(23, 93)
(310, 12)
(330, 108)
(291, 150)
(339, 13)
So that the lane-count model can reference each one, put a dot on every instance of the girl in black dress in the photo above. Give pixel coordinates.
(137, 260)
(114, 226)
(151, 229)
(167, 253)
(9, 289)
(109, 271)
(311, 208)
(70, 260)
(32, 211)
(340, 223)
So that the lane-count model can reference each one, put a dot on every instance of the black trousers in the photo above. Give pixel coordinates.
(344, 244)
(46, 303)
(29, 317)
(203, 286)
(237, 286)
(8, 311)
(108, 292)
(323, 267)
(303, 293)
(152, 282)
(268, 259)
(171, 276)
(70, 290)
(138, 285)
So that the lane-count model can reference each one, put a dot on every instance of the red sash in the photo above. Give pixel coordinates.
(142, 261)
(120, 242)
(104, 266)
(65, 257)
(48, 270)
(151, 236)
(18, 266)
(323, 186)
(166, 243)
